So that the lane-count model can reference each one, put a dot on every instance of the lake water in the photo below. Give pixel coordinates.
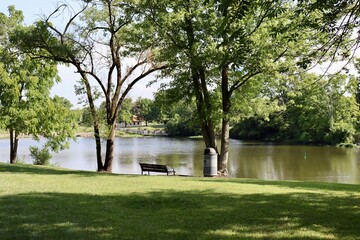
(247, 159)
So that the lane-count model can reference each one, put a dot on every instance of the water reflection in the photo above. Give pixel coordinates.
(313, 163)
(247, 159)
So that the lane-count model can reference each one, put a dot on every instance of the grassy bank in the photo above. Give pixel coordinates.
(121, 132)
(50, 203)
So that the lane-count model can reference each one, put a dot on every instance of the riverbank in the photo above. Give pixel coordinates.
(52, 203)
(133, 131)
(153, 129)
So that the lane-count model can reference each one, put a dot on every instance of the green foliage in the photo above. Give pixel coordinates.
(126, 111)
(144, 108)
(41, 156)
(315, 110)
(342, 132)
(182, 126)
(182, 120)
(77, 114)
(340, 20)
(25, 103)
(255, 128)
(86, 118)
(179, 116)
(58, 124)
(357, 66)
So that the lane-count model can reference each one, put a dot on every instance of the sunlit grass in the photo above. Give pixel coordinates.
(51, 203)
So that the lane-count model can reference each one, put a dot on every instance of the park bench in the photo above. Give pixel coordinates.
(148, 167)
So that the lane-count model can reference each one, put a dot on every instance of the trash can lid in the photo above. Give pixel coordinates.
(210, 151)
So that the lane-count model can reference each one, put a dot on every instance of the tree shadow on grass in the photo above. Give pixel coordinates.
(292, 184)
(179, 215)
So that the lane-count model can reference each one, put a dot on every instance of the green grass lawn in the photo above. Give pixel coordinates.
(51, 203)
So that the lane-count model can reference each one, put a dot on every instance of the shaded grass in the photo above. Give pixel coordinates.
(50, 203)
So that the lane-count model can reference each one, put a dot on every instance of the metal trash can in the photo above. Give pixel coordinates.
(210, 162)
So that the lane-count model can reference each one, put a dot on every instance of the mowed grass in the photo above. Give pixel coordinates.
(50, 203)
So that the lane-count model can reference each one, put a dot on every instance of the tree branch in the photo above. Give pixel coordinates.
(243, 80)
(137, 79)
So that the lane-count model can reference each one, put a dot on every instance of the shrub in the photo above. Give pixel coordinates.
(41, 156)
(341, 133)
(182, 128)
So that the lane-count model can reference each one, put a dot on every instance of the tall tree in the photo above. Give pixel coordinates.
(213, 48)
(314, 110)
(126, 111)
(98, 41)
(357, 66)
(25, 103)
(143, 107)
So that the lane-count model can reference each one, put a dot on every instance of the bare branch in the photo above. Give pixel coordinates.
(74, 17)
(137, 79)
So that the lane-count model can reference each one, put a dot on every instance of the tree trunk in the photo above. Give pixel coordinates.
(225, 133)
(203, 101)
(109, 156)
(98, 147)
(100, 165)
(224, 153)
(207, 127)
(14, 142)
(207, 111)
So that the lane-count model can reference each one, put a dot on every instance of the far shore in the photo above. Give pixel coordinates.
(82, 134)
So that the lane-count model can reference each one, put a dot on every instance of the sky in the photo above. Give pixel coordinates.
(32, 10)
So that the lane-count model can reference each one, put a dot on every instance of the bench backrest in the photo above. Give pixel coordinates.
(153, 167)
